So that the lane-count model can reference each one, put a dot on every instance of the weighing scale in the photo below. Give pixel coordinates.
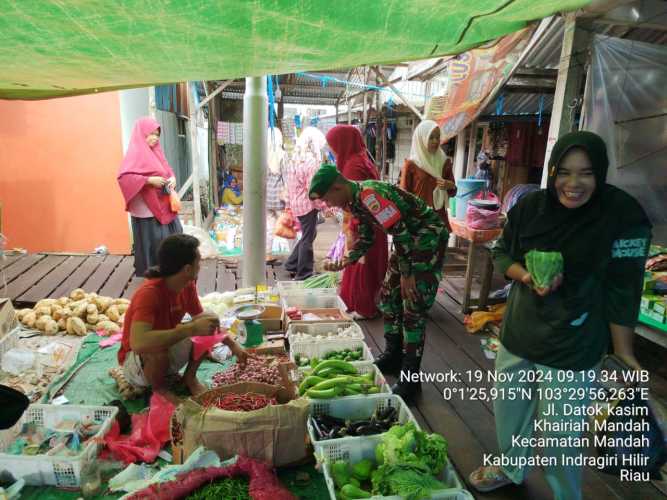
(250, 329)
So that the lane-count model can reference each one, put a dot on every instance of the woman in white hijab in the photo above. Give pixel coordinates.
(427, 172)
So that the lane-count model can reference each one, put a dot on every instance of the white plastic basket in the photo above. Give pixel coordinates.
(59, 471)
(323, 329)
(286, 287)
(9, 341)
(360, 448)
(355, 408)
(363, 367)
(314, 298)
(320, 349)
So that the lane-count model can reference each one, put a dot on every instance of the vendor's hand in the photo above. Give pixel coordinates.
(157, 181)
(205, 324)
(409, 288)
(242, 356)
(171, 183)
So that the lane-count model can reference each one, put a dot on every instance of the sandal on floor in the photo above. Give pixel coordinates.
(485, 479)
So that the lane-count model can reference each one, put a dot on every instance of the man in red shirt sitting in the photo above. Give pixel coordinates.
(155, 343)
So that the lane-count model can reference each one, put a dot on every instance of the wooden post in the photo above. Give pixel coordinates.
(472, 149)
(194, 153)
(152, 108)
(577, 38)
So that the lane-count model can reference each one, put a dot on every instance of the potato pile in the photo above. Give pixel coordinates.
(77, 314)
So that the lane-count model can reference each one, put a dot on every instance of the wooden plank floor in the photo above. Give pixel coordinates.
(36, 276)
(468, 425)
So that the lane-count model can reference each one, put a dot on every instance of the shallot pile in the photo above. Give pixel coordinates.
(257, 370)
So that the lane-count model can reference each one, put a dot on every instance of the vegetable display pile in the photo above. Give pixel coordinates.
(249, 401)
(261, 369)
(544, 267)
(77, 314)
(328, 427)
(342, 355)
(230, 488)
(334, 378)
(405, 464)
(351, 332)
(324, 280)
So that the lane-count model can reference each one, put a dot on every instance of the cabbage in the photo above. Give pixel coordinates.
(544, 267)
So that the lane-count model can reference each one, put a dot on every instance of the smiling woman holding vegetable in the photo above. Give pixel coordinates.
(560, 321)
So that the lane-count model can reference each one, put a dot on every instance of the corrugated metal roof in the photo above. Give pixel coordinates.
(521, 104)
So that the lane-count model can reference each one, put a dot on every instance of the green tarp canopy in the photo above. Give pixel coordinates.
(51, 48)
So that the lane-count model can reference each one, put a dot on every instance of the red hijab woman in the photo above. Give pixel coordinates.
(146, 181)
(361, 281)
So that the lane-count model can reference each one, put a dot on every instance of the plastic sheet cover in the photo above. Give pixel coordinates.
(625, 104)
(57, 48)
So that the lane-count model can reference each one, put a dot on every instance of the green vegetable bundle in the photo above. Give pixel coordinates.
(544, 267)
(335, 378)
(405, 444)
(230, 488)
(324, 280)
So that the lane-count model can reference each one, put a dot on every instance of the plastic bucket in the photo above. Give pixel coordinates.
(467, 189)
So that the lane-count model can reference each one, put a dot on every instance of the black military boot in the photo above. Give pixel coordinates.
(389, 362)
(404, 388)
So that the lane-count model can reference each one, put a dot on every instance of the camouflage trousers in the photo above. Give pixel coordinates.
(404, 317)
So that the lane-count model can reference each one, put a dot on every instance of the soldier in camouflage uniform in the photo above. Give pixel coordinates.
(415, 267)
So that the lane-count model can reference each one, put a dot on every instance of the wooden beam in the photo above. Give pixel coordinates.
(206, 100)
(397, 92)
(577, 36)
(472, 149)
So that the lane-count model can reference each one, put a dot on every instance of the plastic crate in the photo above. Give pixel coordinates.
(320, 349)
(58, 471)
(9, 341)
(322, 328)
(359, 448)
(314, 298)
(286, 287)
(363, 367)
(355, 408)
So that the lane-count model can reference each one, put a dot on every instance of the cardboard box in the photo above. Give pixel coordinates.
(8, 319)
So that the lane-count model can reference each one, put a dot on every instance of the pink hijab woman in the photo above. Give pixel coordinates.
(146, 181)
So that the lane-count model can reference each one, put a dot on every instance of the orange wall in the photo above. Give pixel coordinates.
(58, 164)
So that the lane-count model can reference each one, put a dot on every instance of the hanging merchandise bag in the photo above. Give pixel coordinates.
(285, 225)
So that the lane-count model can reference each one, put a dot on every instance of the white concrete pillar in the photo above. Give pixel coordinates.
(255, 120)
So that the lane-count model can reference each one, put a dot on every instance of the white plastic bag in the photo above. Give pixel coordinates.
(18, 360)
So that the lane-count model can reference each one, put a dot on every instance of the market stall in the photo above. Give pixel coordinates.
(310, 392)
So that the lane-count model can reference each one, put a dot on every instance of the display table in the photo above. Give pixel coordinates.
(476, 239)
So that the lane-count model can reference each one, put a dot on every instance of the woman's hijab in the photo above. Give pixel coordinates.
(141, 161)
(310, 144)
(430, 163)
(229, 179)
(351, 154)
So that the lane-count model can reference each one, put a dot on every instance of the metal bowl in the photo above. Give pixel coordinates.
(249, 311)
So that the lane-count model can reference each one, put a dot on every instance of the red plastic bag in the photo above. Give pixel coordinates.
(286, 225)
(149, 432)
(264, 484)
(204, 343)
(480, 218)
(174, 202)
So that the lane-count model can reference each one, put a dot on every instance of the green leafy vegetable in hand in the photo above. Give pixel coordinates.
(544, 267)
(324, 280)
(411, 481)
